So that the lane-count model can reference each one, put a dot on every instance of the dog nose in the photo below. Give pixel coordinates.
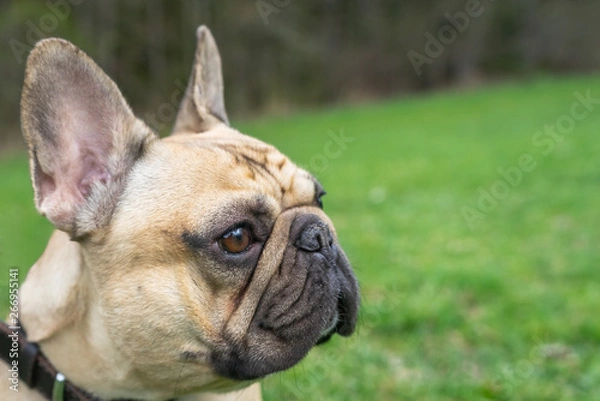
(314, 238)
(313, 235)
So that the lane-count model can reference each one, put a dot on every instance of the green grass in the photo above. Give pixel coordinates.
(505, 310)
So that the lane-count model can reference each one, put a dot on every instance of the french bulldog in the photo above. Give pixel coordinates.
(182, 268)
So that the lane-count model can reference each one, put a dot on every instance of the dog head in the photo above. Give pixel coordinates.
(204, 258)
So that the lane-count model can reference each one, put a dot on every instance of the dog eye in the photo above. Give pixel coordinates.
(236, 240)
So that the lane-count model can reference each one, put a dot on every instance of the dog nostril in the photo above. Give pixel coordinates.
(313, 238)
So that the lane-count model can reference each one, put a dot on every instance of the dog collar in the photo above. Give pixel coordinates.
(32, 367)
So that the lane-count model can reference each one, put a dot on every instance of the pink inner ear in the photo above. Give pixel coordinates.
(78, 161)
(93, 172)
(65, 187)
(44, 182)
(88, 140)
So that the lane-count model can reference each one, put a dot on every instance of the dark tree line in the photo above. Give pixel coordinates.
(285, 54)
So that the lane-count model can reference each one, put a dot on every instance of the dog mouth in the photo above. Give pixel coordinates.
(269, 349)
(329, 330)
(338, 325)
(313, 296)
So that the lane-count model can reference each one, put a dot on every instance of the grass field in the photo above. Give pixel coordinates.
(474, 231)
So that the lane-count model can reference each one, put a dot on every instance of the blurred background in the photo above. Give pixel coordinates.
(282, 55)
(458, 144)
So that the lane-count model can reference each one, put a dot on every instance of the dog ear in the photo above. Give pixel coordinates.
(203, 105)
(82, 136)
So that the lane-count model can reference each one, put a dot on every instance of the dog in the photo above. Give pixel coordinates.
(185, 268)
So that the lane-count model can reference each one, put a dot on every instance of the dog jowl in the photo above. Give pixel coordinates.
(195, 263)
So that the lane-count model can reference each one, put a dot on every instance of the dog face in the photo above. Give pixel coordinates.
(206, 256)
